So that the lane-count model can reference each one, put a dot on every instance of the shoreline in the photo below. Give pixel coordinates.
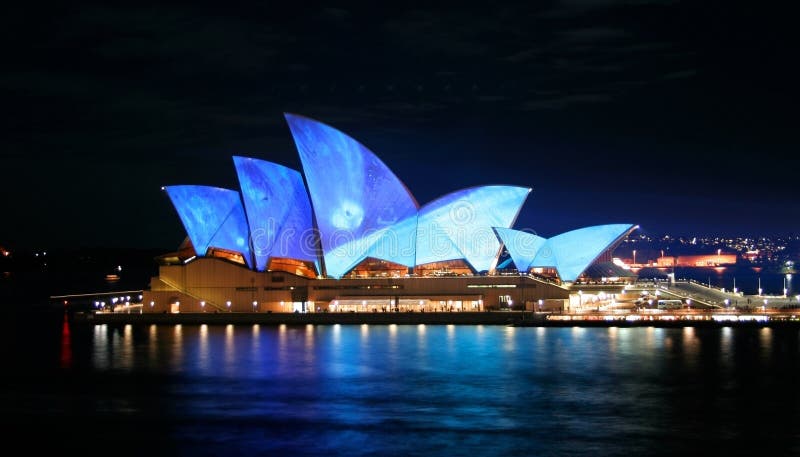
(505, 318)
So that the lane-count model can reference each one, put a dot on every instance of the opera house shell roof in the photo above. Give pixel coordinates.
(352, 207)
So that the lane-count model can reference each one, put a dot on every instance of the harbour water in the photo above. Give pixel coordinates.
(400, 390)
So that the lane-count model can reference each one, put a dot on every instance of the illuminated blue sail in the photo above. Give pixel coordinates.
(433, 240)
(572, 252)
(278, 211)
(355, 196)
(213, 218)
(522, 246)
(466, 219)
(397, 243)
(361, 209)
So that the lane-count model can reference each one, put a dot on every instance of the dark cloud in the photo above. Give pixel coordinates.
(561, 8)
(593, 34)
(680, 74)
(103, 104)
(563, 101)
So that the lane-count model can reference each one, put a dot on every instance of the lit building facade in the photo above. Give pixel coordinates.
(352, 237)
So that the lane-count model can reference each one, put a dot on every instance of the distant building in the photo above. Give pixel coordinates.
(751, 255)
(707, 260)
(665, 261)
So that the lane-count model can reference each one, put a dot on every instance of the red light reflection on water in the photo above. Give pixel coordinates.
(66, 344)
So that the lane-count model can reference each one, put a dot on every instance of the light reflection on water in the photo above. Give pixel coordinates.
(691, 347)
(460, 390)
(204, 361)
(177, 347)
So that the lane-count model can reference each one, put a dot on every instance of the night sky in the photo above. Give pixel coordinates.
(674, 116)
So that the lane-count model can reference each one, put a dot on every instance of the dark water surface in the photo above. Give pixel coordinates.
(399, 390)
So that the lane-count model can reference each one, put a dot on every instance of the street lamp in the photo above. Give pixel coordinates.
(634, 256)
(759, 286)
(718, 254)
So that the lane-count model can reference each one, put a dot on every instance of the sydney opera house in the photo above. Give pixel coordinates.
(348, 235)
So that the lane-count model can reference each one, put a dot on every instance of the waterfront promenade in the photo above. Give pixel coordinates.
(719, 298)
(704, 306)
